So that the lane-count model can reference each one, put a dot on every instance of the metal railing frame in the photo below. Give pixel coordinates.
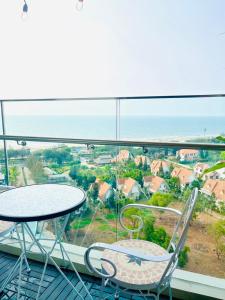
(117, 142)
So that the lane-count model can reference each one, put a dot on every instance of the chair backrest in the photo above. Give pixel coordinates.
(182, 221)
(180, 233)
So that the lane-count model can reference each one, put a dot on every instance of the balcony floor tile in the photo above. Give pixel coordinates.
(54, 286)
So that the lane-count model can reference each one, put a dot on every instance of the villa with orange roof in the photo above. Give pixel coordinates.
(216, 188)
(123, 155)
(129, 187)
(142, 159)
(160, 165)
(187, 155)
(104, 190)
(155, 184)
(186, 176)
(199, 169)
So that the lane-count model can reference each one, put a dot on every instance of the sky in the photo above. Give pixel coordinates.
(113, 48)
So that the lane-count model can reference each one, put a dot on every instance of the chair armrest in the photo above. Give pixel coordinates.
(144, 206)
(126, 251)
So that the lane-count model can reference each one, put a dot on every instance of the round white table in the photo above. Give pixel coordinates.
(38, 203)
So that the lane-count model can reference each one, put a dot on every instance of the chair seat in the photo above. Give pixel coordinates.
(133, 273)
(6, 227)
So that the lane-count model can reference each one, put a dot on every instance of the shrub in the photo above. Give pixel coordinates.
(183, 257)
(160, 199)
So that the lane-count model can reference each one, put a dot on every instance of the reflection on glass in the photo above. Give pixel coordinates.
(94, 119)
(180, 120)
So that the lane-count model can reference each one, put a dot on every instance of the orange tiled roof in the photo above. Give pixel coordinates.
(123, 155)
(127, 183)
(121, 181)
(216, 187)
(188, 151)
(155, 182)
(147, 178)
(156, 165)
(182, 173)
(141, 158)
(103, 188)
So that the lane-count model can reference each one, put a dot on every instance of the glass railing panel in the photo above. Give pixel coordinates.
(1, 119)
(86, 167)
(2, 165)
(180, 120)
(166, 177)
(94, 119)
(115, 176)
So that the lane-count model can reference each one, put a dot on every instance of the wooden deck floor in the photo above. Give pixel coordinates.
(54, 286)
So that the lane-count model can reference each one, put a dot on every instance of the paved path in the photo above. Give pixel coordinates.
(24, 177)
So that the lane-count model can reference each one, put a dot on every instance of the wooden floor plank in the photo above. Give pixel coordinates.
(54, 286)
(67, 290)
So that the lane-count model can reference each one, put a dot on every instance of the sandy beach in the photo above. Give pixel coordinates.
(34, 146)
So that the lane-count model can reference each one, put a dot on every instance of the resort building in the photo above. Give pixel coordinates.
(53, 177)
(158, 166)
(155, 184)
(142, 159)
(218, 174)
(216, 188)
(103, 160)
(129, 187)
(200, 168)
(187, 155)
(58, 178)
(186, 176)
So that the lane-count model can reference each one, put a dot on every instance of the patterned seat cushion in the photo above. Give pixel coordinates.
(5, 227)
(132, 272)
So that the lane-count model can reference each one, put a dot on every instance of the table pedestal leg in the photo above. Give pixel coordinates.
(47, 255)
(48, 258)
(19, 262)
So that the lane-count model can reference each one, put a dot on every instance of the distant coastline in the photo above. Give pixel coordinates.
(136, 128)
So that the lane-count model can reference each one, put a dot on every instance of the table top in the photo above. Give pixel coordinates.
(40, 202)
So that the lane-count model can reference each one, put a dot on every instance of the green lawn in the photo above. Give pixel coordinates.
(81, 223)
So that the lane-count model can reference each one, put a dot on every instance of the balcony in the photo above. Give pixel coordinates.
(102, 161)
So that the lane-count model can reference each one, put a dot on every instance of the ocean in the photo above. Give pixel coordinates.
(131, 127)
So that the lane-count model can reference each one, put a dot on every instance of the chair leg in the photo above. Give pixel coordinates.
(117, 295)
(170, 293)
(157, 295)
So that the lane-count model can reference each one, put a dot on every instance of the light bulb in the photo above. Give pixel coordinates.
(80, 4)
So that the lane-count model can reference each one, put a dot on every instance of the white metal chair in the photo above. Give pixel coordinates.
(139, 267)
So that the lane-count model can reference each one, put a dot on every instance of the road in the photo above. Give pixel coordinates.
(24, 177)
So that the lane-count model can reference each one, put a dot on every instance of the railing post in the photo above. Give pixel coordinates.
(4, 144)
(118, 148)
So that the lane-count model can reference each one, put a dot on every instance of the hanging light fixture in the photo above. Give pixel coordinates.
(25, 10)
(80, 5)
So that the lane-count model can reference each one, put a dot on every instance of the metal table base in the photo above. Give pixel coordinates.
(47, 258)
